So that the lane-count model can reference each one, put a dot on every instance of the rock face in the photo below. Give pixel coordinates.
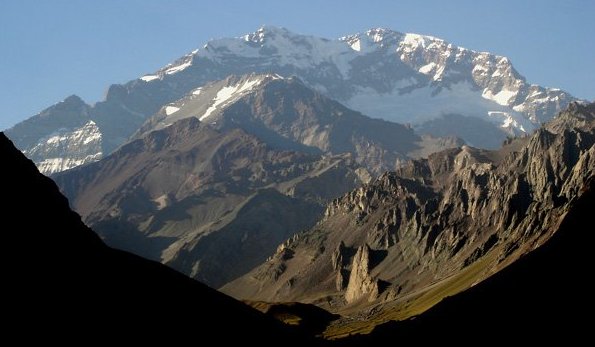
(63, 128)
(214, 198)
(447, 221)
(543, 288)
(287, 114)
(439, 88)
(66, 277)
(86, 282)
(212, 204)
(360, 282)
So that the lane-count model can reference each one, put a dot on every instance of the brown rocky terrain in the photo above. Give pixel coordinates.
(285, 113)
(395, 247)
(214, 198)
(540, 298)
(210, 203)
(66, 280)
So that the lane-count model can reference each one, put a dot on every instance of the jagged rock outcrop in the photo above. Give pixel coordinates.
(544, 287)
(361, 283)
(440, 224)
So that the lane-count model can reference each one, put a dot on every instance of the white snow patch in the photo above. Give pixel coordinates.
(503, 97)
(85, 134)
(426, 69)
(53, 165)
(305, 53)
(231, 46)
(197, 91)
(87, 139)
(412, 41)
(178, 68)
(507, 120)
(419, 105)
(479, 69)
(356, 45)
(422, 104)
(94, 136)
(171, 110)
(541, 100)
(519, 108)
(438, 75)
(228, 92)
(377, 37)
(149, 78)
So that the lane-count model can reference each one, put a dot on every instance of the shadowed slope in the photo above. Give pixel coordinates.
(542, 297)
(212, 204)
(59, 277)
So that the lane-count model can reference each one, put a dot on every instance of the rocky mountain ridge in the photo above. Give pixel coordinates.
(213, 198)
(439, 224)
(287, 114)
(210, 203)
(439, 88)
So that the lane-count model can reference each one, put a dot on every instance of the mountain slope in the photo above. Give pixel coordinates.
(544, 289)
(287, 114)
(66, 127)
(211, 203)
(433, 228)
(59, 277)
(406, 78)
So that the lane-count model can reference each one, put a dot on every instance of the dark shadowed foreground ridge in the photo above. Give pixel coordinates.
(60, 280)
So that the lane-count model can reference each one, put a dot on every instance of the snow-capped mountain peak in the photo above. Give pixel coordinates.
(266, 32)
(436, 86)
(381, 72)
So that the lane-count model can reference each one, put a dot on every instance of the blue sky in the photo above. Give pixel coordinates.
(51, 49)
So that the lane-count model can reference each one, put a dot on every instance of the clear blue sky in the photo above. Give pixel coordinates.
(51, 49)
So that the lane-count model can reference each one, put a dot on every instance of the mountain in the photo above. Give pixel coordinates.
(214, 198)
(212, 204)
(60, 278)
(543, 290)
(66, 127)
(285, 113)
(435, 86)
(395, 247)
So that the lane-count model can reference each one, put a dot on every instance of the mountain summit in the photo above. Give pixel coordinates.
(437, 87)
(387, 74)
